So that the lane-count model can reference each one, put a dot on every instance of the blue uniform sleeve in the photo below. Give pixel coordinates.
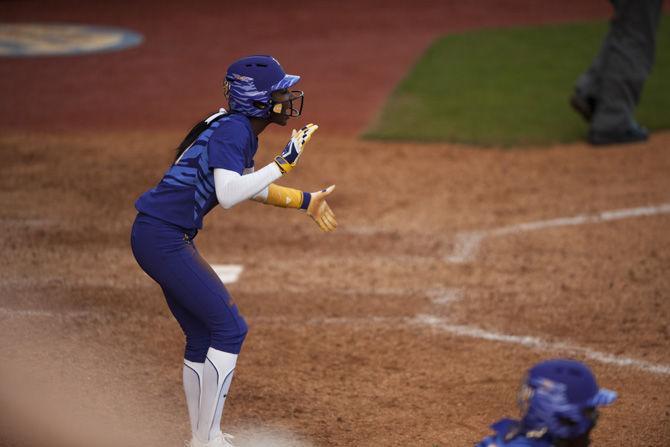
(228, 147)
(508, 435)
(488, 442)
(520, 441)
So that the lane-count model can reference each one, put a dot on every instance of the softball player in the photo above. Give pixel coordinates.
(559, 400)
(215, 165)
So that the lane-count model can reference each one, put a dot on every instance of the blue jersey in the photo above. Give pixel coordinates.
(508, 434)
(186, 193)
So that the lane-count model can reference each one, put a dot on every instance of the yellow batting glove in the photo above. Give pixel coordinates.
(319, 210)
(291, 153)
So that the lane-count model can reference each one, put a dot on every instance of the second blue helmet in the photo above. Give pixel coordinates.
(561, 397)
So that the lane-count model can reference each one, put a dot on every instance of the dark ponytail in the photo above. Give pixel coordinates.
(196, 131)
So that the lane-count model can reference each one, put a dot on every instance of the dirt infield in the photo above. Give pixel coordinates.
(390, 335)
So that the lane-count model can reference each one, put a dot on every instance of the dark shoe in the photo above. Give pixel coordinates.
(635, 134)
(584, 105)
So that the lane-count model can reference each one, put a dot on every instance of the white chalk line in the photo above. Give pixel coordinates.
(539, 344)
(431, 321)
(448, 296)
(444, 297)
(467, 243)
(38, 313)
(442, 324)
(466, 246)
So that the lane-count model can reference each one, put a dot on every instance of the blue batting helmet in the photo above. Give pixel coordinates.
(251, 81)
(560, 397)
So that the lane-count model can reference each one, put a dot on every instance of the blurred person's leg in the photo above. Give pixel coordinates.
(609, 91)
(587, 87)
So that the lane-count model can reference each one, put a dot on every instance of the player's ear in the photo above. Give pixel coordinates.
(226, 89)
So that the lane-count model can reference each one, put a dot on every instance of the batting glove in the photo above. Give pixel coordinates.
(319, 210)
(289, 157)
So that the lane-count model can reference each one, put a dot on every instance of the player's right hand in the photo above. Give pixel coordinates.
(319, 210)
(291, 153)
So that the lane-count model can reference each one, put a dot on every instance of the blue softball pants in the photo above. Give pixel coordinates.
(193, 291)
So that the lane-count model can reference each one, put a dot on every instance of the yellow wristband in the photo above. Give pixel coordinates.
(284, 166)
(284, 197)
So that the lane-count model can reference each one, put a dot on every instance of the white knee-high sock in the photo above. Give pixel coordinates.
(193, 373)
(217, 375)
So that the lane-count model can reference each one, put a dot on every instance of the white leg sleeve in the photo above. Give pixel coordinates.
(193, 373)
(218, 373)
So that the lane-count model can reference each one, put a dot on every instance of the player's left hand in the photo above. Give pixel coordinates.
(294, 148)
(319, 210)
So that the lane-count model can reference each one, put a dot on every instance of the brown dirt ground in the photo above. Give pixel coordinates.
(92, 355)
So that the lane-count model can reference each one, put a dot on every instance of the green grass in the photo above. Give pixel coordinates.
(510, 87)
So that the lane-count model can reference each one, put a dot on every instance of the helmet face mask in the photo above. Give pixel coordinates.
(290, 106)
(283, 105)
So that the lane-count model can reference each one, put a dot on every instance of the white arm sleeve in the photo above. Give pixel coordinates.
(261, 196)
(232, 188)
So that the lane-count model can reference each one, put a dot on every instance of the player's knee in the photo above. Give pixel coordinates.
(229, 337)
(196, 348)
(243, 328)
